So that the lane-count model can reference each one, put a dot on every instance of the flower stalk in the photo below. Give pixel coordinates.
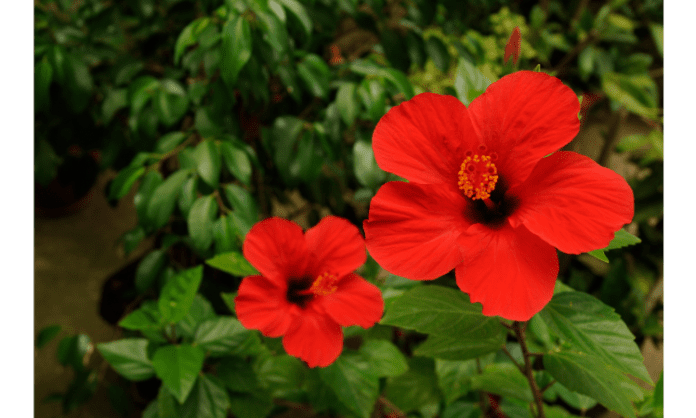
(520, 328)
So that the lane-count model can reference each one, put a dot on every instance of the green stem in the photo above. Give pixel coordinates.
(520, 328)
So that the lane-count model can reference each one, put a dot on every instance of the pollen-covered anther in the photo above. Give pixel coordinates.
(324, 284)
(477, 176)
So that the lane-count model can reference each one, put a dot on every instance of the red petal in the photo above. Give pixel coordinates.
(523, 117)
(337, 246)
(421, 139)
(514, 274)
(277, 248)
(355, 302)
(573, 203)
(315, 338)
(261, 304)
(412, 229)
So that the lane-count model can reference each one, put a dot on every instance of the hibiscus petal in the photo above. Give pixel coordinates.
(315, 338)
(573, 203)
(513, 275)
(261, 304)
(337, 246)
(420, 139)
(412, 229)
(277, 248)
(355, 302)
(523, 117)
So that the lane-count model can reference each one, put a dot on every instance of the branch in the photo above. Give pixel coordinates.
(519, 331)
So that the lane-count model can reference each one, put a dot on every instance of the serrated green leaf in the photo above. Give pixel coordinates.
(232, 263)
(46, 335)
(454, 377)
(178, 293)
(236, 49)
(415, 389)
(462, 409)
(128, 357)
(238, 375)
(208, 399)
(583, 373)
(282, 374)
(200, 222)
(587, 325)
(236, 161)
(224, 336)
(178, 367)
(147, 317)
(384, 358)
(448, 348)
(354, 382)
(161, 204)
(251, 405)
(503, 379)
(149, 269)
(441, 311)
(201, 310)
(622, 238)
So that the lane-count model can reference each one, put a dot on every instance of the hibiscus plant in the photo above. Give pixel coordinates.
(374, 208)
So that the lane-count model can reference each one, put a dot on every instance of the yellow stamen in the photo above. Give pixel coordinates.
(324, 284)
(478, 175)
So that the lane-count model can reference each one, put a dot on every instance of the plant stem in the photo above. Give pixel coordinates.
(520, 328)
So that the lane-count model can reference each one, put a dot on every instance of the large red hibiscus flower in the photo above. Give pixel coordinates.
(307, 289)
(485, 197)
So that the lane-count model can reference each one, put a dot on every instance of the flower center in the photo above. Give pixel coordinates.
(324, 284)
(477, 174)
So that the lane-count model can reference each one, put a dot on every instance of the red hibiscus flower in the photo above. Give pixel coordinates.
(307, 289)
(483, 199)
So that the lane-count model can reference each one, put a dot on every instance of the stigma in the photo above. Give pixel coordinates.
(324, 284)
(478, 174)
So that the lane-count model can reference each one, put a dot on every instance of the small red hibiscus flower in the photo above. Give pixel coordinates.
(483, 199)
(307, 289)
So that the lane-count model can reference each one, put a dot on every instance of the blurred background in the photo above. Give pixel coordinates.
(164, 129)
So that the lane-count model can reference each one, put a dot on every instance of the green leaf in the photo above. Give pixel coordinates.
(142, 198)
(347, 102)
(46, 163)
(168, 142)
(373, 97)
(437, 50)
(276, 33)
(503, 379)
(126, 73)
(365, 166)
(237, 374)
(145, 318)
(128, 357)
(201, 310)
(237, 162)
(171, 102)
(282, 375)
(658, 397)
(224, 235)
(200, 222)
(208, 399)
(586, 325)
(442, 311)
(188, 195)
(236, 49)
(449, 348)
(224, 336)
(573, 399)
(637, 93)
(149, 269)
(415, 389)
(316, 75)
(233, 263)
(79, 84)
(178, 293)
(622, 238)
(251, 405)
(462, 409)
(114, 101)
(245, 212)
(384, 358)
(399, 80)
(189, 36)
(43, 75)
(354, 382)
(161, 204)
(657, 32)
(454, 377)
(140, 91)
(299, 11)
(178, 367)
(209, 163)
(46, 335)
(132, 238)
(469, 82)
(72, 351)
(583, 373)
